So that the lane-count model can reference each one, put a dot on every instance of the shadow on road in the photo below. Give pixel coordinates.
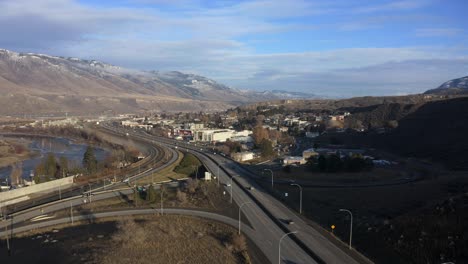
(87, 214)
(286, 261)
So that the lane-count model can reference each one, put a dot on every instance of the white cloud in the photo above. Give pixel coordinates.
(438, 32)
(208, 41)
(403, 5)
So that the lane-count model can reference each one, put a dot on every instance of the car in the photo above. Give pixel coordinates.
(290, 221)
(251, 188)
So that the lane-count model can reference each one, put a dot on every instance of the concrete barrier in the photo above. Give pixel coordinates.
(45, 187)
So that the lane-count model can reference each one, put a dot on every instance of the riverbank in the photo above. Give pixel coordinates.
(14, 150)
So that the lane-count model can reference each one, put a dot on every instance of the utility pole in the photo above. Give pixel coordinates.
(60, 191)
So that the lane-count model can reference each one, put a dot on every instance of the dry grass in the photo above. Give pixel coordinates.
(165, 174)
(170, 239)
(13, 150)
(137, 239)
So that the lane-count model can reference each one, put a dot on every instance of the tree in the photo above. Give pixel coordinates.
(322, 163)
(259, 133)
(50, 165)
(334, 163)
(266, 148)
(89, 160)
(316, 145)
(63, 163)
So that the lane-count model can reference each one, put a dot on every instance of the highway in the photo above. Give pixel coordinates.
(266, 215)
(267, 211)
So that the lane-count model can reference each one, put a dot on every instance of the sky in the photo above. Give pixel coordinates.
(341, 48)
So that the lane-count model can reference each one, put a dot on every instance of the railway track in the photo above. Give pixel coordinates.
(157, 156)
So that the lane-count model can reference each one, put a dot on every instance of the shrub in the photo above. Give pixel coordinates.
(181, 197)
(236, 242)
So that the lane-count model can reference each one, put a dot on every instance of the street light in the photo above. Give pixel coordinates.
(350, 226)
(279, 244)
(300, 196)
(240, 208)
(231, 186)
(217, 176)
(161, 190)
(271, 176)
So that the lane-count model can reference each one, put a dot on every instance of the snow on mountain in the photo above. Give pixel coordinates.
(455, 86)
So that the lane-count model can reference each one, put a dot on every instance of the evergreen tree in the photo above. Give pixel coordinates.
(266, 148)
(63, 163)
(50, 166)
(89, 160)
(322, 163)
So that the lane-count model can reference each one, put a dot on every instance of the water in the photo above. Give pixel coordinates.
(61, 147)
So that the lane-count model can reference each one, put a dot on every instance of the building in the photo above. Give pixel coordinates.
(312, 134)
(289, 160)
(218, 135)
(194, 126)
(242, 156)
(309, 153)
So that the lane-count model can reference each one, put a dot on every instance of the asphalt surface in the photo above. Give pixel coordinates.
(267, 216)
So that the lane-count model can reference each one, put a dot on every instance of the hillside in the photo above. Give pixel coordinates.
(38, 84)
(452, 87)
(436, 131)
(381, 115)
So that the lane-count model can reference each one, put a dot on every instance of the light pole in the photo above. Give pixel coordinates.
(300, 196)
(231, 186)
(350, 226)
(71, 212)
(279, 244)
(240, 208)
(217, 176)
(161, 190)
(271, 176)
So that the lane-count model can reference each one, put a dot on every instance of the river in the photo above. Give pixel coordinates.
(61, 147)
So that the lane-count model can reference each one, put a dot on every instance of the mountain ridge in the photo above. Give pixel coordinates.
(451, 87)
(74, 82)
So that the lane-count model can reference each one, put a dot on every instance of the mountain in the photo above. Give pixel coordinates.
(452, 87)
(281, 94)
(38, 83)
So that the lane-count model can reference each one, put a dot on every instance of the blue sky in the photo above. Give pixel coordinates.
(337, 48)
